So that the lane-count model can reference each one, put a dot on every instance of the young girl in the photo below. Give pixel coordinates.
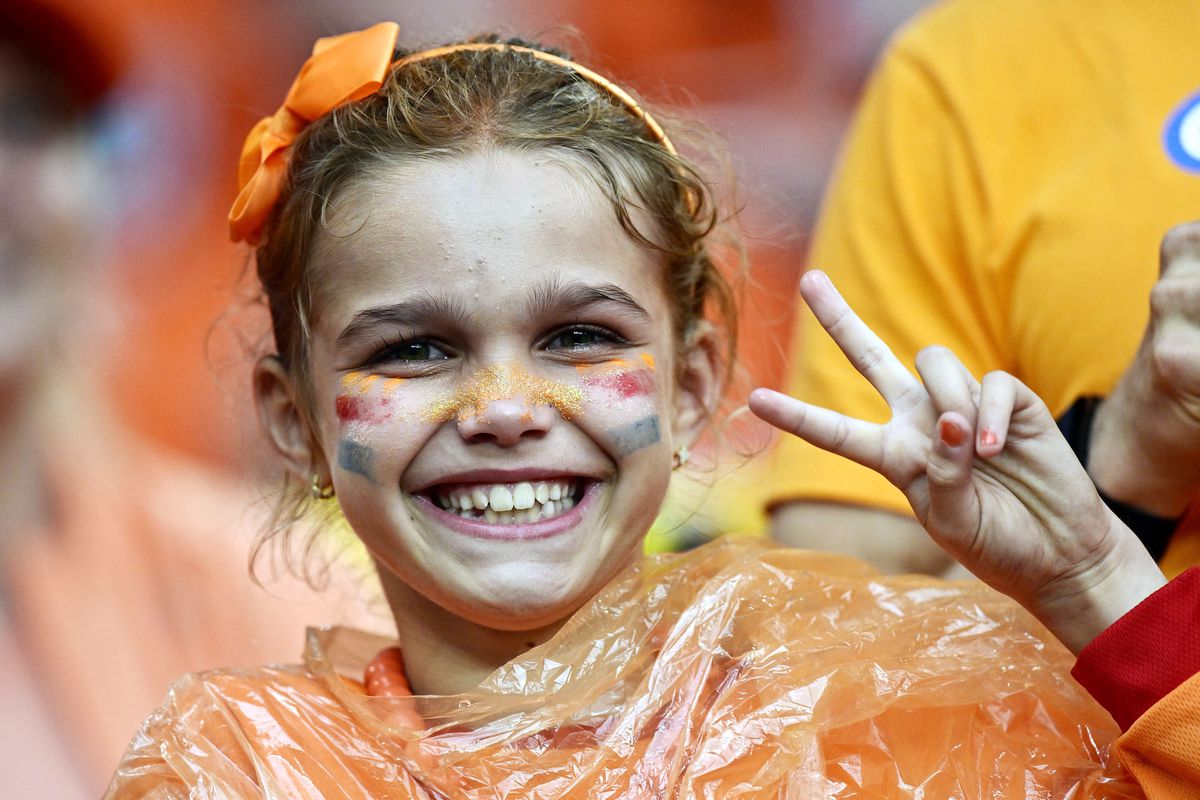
(488, 275)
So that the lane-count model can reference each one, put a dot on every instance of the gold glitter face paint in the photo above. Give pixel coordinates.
(503, 382)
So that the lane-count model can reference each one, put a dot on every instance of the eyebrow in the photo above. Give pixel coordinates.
(552, 295)
(409, 313)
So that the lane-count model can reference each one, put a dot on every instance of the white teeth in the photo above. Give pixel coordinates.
(522, 496)
(522, 503)
(500, 498)
(480, 498)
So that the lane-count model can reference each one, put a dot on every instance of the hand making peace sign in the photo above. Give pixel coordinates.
(987, 473)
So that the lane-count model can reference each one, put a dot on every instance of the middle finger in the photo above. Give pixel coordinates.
(868, 354)
(950, 384)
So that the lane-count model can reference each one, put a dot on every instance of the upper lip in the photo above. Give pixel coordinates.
(511, 475)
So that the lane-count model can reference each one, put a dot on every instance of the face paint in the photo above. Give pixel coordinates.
(624, 389)
(356, 458)
(358, 403)
(502, 382)
(355, 409)
(624, 385)
(622, 378)
(636, 435)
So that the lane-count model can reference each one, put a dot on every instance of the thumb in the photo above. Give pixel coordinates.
(954, 512)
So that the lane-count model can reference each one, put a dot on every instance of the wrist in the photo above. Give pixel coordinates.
(1079, 607)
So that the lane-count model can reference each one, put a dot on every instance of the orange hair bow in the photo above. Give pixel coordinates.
(341, 69)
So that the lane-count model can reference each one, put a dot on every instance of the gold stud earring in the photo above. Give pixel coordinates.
(679, 458)
(318, 491)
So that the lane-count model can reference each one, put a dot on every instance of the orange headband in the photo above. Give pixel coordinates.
(343, 69)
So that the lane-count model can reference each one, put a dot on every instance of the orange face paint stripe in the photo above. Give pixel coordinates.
(615, 364)
(350, 380)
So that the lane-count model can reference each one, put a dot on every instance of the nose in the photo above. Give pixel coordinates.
(506, 421)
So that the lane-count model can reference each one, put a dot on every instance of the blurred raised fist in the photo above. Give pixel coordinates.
(1145, 445)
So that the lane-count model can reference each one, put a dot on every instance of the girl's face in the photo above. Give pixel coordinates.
(493, 381)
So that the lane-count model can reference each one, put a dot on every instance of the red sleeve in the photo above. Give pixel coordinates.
(1147, 653)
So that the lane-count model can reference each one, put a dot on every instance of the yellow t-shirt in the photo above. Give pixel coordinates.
(1003, 192)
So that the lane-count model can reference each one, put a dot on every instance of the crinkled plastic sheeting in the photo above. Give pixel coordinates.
(730, 672)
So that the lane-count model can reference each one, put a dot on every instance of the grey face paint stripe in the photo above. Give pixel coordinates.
(636, 435)
(356, 458)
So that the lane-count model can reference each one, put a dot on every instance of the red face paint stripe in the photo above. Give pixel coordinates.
(351, 408)
(625, 385)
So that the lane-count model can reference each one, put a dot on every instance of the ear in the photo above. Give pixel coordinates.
(281, 418)
(699, 384)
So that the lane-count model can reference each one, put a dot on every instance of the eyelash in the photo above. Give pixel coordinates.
(389, 352)
(605, 337)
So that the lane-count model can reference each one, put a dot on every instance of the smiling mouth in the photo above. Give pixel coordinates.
(510, 503)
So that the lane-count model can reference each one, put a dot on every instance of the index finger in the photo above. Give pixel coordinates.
(866, 352)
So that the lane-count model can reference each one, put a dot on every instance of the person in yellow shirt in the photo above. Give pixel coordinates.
(1006, 184)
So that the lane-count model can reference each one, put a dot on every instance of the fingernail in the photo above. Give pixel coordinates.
(951, 434)
(987, 437)
(825, 279)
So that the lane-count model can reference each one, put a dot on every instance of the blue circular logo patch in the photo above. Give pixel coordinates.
(1182, 135)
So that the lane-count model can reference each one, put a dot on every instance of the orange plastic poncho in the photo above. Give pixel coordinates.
(729, 672)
